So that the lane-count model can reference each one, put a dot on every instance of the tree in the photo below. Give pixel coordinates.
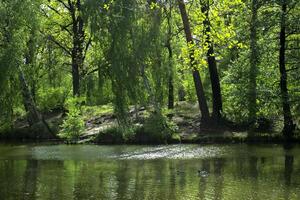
(196, 75)
(287, 115)
(171, 99)
(212, 64)
(70, 14)
(254, 61)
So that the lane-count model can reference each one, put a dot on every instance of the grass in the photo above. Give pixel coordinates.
(89, 112)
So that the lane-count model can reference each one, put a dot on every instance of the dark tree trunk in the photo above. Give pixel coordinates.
(171, 93)
(75, 76)
(212, 66)
(78, 43)
(170, 81)
(197, 78)
(288, 128)
(168, 45)
(252, 106)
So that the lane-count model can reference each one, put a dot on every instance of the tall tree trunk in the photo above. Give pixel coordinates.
(170, 81)
(33, 115)
(197, 78)
(75, 76)
(181, 89)
(168, 45)
(252, 106)
(78, 43)
(212, 65)
(288, 121)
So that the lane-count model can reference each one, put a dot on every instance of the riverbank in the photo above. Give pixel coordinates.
(101, 127)
(212, 138)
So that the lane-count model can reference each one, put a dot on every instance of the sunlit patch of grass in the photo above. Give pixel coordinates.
(89, 112)
(183, 109)
(191, 137)
(241, 135)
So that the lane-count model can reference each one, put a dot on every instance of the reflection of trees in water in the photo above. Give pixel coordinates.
(240, 167)
(11, 179)
(219, 165)
(102, 187)
(288, 171)
(85, 180)
(181, 174)
(202, 183)
(43, 178)
(139, 178)
(159, 179)
(160, 184)
(172, 181)
(30, 180)
(253, 173)
(51, 175)
(253, 167)
(122, 177)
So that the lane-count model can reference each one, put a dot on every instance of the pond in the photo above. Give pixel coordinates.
(233, 172)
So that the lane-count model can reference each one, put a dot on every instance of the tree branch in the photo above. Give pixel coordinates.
(53, 9)
(60, 45)
(87, 47)
(64, 4)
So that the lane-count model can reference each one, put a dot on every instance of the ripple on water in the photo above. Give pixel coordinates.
(172, 152)
(123, 152)
(92, 152)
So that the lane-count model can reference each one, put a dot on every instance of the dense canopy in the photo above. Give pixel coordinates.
(237, 60)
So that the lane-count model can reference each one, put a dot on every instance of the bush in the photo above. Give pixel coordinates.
(110, 135)
(73, 125)
(157, 129)
(51, 98)
(116, 135)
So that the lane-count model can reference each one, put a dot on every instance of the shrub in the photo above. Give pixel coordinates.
(73, 125)
(110, 135)
(116, 134)
(157, 129)
(51, 98)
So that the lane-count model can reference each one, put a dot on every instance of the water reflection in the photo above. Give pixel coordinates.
(288, 170)
(257, 174)
(30, 179)
(219, 165)
(202, 183)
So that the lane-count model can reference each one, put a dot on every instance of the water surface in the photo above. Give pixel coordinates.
(58, 172)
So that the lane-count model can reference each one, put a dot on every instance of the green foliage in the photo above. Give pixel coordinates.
(126, 59)
(189, 88)
(111, 135)
(116, 134)
(51, 98)
(73, 126)
(157, 129)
